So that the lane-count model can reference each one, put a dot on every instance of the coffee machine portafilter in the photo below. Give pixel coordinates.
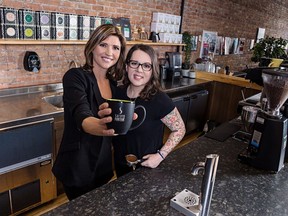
(267, 146)
(248, 116)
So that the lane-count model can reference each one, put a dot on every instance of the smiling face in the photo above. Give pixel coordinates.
(142, 83)
(137, 76)
(106, 54)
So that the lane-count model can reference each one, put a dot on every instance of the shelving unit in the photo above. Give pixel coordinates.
(74, 42)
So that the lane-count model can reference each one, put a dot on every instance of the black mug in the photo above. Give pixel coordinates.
(122, 115)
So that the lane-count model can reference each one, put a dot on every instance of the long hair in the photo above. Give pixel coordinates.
(153, 85)
(102, 32)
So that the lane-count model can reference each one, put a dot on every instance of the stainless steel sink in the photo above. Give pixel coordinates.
(55, 100)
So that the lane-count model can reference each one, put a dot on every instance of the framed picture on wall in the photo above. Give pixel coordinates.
(241, 44)
(234, 46)
(251, 45)
(227, 45)
(219, 48)
(194, 42)
(260, 34)
(208, 44)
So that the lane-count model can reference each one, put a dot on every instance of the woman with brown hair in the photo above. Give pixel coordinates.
(141, 84)
(84, 160)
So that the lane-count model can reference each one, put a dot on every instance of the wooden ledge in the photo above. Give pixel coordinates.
(223, 78)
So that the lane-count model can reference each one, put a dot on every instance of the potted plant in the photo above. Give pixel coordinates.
(268, 48)
(186, 64)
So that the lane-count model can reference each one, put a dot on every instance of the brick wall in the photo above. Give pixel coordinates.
(232, 18)
(236, 18)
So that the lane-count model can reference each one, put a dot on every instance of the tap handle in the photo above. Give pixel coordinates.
(208, 180)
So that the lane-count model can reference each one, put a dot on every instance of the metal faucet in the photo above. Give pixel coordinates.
(191, 204)
(210, 168)
(197, 167)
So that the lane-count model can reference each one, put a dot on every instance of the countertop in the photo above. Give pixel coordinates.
(223, 78)
(239, 189)
(25, 104)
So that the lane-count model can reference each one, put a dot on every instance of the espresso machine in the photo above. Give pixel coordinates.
(267, 146)
(174, 70)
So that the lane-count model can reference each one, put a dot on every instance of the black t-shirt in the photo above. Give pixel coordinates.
(148, 137)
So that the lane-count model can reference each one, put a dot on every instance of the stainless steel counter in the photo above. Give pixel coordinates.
(183, 84)
(26, 104)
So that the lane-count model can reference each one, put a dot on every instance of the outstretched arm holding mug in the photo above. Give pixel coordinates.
(84, 160)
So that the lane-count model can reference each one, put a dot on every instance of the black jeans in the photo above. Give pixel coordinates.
(122, 169)
(74, 192)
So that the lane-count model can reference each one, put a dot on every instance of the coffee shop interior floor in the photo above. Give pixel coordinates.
(61, 199)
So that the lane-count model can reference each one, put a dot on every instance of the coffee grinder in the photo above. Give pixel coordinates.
(267, 146)
(174, 60)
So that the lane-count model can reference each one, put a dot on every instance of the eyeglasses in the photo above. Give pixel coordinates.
(136, 64)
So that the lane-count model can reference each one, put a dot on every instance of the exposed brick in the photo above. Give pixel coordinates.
(234, 18)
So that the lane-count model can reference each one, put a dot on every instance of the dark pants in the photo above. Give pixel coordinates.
(74, 192)
(122, 169)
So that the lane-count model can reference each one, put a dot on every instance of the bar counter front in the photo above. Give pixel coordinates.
(239, 189)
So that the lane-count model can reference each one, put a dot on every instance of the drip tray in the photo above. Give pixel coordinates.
(186, 202)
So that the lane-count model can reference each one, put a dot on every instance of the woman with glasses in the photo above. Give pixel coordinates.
(141, 84)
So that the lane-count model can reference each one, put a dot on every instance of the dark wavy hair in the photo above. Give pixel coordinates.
(153, 85)
(102, 32)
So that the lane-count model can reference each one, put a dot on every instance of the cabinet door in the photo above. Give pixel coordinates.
(26, 195)
(224, 101)
(25, 144)
(197, 111)
(5, 203)
(182, 105)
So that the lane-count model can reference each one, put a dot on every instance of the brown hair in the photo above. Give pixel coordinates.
(153, 85)
(102, 32)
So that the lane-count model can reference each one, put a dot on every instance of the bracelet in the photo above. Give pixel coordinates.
(160, 154)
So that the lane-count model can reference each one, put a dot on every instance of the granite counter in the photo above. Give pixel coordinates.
(239, 189)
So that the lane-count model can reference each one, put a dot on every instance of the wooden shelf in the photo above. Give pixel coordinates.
(74, 42)
(41, 42)
(154, 44)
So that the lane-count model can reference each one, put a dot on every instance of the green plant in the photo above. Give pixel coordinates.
(269, 47)
(186, 39)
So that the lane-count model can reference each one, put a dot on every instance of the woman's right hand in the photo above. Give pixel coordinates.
(97, 126)
(104, 110)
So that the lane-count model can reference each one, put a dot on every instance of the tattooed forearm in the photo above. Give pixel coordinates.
(175, 123)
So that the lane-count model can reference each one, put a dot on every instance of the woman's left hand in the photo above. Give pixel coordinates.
(152, 160)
